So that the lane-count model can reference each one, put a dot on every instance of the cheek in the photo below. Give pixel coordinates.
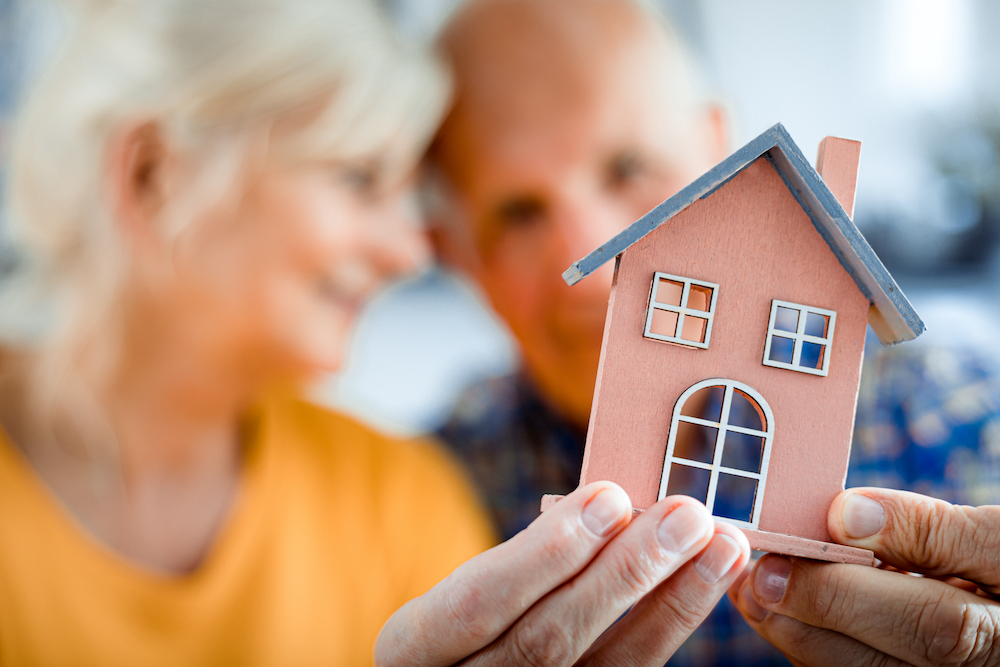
(514, 275)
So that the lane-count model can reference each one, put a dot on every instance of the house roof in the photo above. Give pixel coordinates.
(891, 316)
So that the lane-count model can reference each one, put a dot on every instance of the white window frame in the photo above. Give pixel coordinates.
(799, 336)
(716, 467)
(682, 310)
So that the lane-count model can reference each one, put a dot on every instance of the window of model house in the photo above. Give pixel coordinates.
(718, 449)
(681, 310)
(799, 338)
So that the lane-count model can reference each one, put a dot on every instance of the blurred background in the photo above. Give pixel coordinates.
(915, 80)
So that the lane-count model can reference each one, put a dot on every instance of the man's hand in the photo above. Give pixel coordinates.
(826, 614)
(545, 596)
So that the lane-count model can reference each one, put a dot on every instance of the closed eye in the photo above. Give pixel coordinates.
(520, 211)
(625, 168)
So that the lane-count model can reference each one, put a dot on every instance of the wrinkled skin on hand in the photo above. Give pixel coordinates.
(832, 614)
(547, 595)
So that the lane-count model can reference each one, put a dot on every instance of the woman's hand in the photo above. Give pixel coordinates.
(826, 614)
(545, 596)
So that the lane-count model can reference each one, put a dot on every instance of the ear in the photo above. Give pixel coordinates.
(137, 178)
(448, 231)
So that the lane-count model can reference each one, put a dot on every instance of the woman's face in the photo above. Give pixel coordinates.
(275, 279)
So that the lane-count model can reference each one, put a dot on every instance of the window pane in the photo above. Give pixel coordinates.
(705, 404)
(812, 355)
(695, 442)
(688, 481)
(664, 323)
(816, 324)
(786, 319)
(734, 497)
(781, 349)
(694, 329)
(744, 412)
(742, 451)
(699, 298)
(668, 292)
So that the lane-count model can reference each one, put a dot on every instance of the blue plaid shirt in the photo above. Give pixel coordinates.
(928, 420)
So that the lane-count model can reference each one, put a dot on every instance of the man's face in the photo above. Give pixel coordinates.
(546, 175)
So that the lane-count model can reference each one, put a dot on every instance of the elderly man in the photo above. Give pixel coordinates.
(573, 118)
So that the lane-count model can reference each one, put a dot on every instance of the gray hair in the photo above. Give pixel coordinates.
(211, 74)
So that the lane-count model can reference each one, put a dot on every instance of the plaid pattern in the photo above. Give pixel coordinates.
(928, 420)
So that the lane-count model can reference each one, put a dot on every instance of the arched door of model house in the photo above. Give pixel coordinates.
(718, 449)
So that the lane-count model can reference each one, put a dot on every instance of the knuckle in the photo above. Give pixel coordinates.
(467, 609)
(937, 534)
(832, 595)
(635, 572)
(958, 634)
(542, 644)
(683, 610)
(921, 530)
(562, 549)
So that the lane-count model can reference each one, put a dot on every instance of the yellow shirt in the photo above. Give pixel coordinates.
(334, 529)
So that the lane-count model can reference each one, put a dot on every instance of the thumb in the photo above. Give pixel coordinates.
(921, 534)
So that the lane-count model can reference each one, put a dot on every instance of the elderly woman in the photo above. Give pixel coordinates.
(203, 194)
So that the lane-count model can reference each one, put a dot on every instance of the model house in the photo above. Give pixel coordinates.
(733, 344)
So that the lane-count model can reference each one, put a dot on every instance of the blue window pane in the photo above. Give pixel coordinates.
(688, 481)
(816, 324)
(744, 412)
(742, 451)
(734, 497)
(782, 349)
(695, 442)
(812, 355)
(786, 319)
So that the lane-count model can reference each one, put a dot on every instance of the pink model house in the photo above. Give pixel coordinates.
(733, 342)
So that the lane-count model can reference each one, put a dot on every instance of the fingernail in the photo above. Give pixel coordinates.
(717, 559)
(680, 529)
(605, 511)
(771, 578)
(861, 516)
(750, 605)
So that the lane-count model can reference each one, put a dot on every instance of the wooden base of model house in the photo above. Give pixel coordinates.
(787, 545)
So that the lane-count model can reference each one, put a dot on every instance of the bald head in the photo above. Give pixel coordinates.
(572, 119)
(519, 60)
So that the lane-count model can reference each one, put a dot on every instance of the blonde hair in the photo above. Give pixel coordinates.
(210, 74)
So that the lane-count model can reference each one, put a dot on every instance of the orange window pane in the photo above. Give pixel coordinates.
(694, 329)
(664, 323)
(669, 293)
(699, 298)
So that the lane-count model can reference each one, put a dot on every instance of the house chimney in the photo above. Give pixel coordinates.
(837, 164)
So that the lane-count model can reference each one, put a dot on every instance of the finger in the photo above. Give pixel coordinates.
(921, 534)
(918, 620)
(804, 644)
(658, 624)
(737, 585)
(558, 629)
(477, 602)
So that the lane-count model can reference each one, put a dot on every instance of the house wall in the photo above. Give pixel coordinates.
(753, 239)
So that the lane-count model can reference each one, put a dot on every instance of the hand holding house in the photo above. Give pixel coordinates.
(733, 344)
